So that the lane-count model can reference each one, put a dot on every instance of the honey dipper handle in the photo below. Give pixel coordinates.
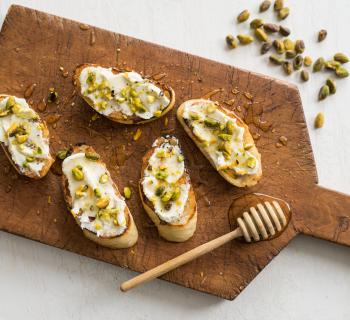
(180, 260)
(325, 214)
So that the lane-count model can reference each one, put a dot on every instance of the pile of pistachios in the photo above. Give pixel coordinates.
(288, 53)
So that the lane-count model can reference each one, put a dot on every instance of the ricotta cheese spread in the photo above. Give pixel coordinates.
(164, 183)
(221, 137)
(21, 131)
(95, 204)
(125, 92)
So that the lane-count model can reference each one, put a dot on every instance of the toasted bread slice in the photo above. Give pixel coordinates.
(121, 96)
(24, 137)
(224, 139)
(94, 200)
(169, 201)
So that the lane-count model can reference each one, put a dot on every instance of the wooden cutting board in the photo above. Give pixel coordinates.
(33, 47)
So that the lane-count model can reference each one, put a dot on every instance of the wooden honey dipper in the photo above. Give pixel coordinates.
(264, 220)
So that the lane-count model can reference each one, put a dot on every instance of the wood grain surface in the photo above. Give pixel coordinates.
(33, 47)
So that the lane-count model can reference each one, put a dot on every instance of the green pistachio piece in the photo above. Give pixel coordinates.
(161, 175)
(245, 39)
(341, 57)
(319, 120)
(103, 178)
(332, 87)
(224, 136)
(256, 23)
(127, 192)
(77, 173)
(166, 196)
(243, 16)
(159, 191)
(97, 193)
(211, 123)
(341, 72)
(62, 154)
(93, 156)
(176, 194)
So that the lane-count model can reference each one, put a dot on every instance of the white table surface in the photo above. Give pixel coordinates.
(310, 279)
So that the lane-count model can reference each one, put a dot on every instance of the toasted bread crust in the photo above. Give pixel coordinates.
(48, 162)
(240, 181)
(125, 240)
(168, 231)
(118, 116)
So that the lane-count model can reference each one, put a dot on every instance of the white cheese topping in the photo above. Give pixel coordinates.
(221, 137)
(161, 183)
(22, 132)
(125, 92)
(88, 193)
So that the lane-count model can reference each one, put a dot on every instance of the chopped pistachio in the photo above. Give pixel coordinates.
(180, 158)
(103, 178)
(137, 134)
(21, 138)
(127, 192)
(80, 192)
(176, 194)
(161, 175)
(224, 136)
(159, 191)
(98, 225)
(30, 159)
(157, 113)
(102, 202)
(93, 156)
(193, 115)
(77, 173)
(97, 193)
(229, 127)
(251, 162)
(62, 154)
(161, 153)
(211, 122)
(166, 196)
(10, 102)
(211, 107)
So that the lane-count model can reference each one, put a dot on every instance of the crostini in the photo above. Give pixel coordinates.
(24, 137)
(166, 190)
(224, 139)
(94, 200)
(122, 96)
